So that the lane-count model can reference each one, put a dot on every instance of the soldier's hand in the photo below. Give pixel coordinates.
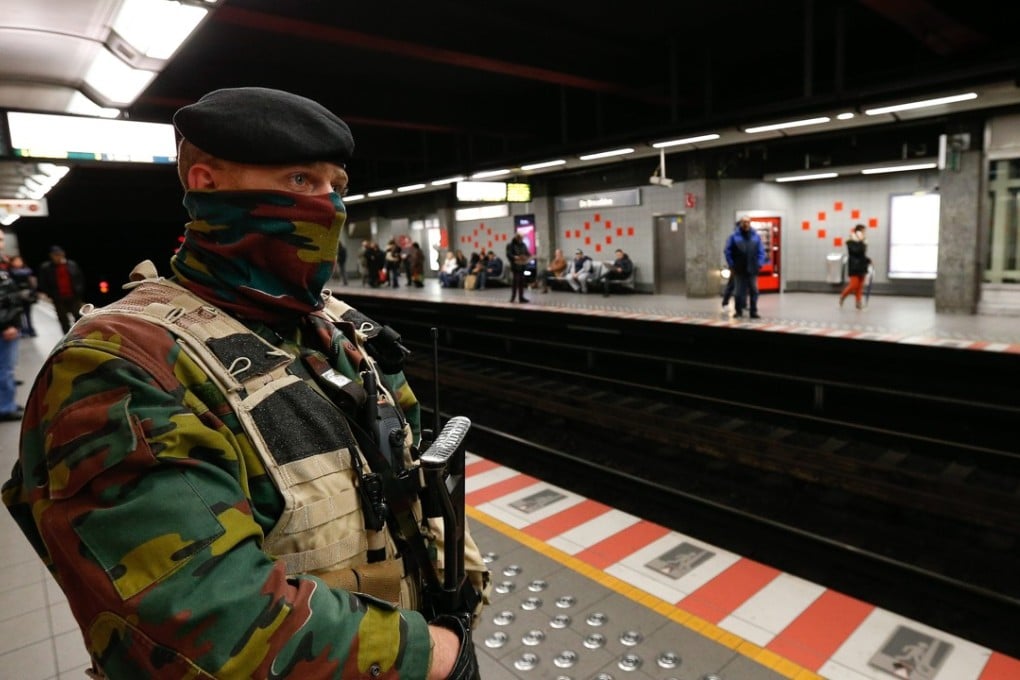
(453, 656)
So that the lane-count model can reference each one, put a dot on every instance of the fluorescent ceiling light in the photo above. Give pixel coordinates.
(352, 198)
(922, 104)
(84, 106)
(156, 28)
(382, 192)
(448, 180)
(490, 173)
(845, 116)
(789, 124)
(687, 140)
(116, 81)
(9, 219)
(53, 171)
(606, 154)
(486, 212)
(543, 164)
(804, 178)
(898, 168)
(410, 187)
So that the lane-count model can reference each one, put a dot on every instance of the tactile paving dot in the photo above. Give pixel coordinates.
(504, 618)
(497, 640)
(595, 641)
(629, 662)
(538, 585)
(560, 621)
(526, 661)
(668, 660)
(531, 604)
(512, 570)
(533, 637)
(566, 601)
(489, 557)
(504, 587)
(597, 619)
(565, 659)
(630, 638)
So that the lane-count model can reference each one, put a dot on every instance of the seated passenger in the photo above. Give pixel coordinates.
(475, 269)
(622, 268)
(556, 269)
(493, 266)
(448, 272)
(579, 271)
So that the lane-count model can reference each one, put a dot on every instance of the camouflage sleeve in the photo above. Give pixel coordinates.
(133, 486)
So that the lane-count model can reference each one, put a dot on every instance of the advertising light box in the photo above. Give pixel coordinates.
(40, 135)
(481, 191)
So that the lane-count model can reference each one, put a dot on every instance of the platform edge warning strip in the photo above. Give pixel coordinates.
(765, 657)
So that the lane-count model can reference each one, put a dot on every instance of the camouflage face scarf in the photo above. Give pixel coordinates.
(263, 255)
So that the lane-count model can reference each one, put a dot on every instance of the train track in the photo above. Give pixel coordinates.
(923, 535)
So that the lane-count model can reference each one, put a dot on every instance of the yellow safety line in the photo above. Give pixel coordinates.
(769, 659)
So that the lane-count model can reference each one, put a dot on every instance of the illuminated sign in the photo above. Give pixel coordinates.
(481, 191)
(606, 199)
(518, 192)
(493, 192)
(486, 212)
(40, 135)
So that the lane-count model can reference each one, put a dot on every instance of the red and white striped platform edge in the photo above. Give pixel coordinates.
(800, 629)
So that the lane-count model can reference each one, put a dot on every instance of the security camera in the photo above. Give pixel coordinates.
(661, 181)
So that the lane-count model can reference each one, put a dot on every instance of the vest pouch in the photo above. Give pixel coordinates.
(309, 449)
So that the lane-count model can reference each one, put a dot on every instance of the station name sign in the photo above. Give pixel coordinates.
(603, 199)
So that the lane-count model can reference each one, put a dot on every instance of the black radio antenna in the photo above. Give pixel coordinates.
(435, 379)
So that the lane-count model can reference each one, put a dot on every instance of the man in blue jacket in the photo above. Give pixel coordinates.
(745, 255)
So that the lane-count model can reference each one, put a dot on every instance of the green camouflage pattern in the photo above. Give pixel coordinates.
(144, 497)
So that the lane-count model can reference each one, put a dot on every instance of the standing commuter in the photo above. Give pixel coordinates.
(745, 255)
(857, 263)
(62, 281)
(394, 263)
(517, 257)
(416, 265)
(28, 286)
(196, 458)
(341, 262)
(10, 336)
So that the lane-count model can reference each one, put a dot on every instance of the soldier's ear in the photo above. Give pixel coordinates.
(201, 176)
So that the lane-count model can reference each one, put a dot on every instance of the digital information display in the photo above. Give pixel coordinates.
(518, 192)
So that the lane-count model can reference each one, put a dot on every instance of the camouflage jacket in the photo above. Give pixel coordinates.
(138, 487)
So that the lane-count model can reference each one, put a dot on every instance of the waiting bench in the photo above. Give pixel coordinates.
(595, 277)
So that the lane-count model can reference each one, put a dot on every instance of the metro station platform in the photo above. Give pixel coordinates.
(583, 590)
(892, 319)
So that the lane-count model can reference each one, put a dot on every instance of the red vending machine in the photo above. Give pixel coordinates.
(768, 228)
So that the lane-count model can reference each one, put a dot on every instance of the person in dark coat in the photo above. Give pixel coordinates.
(856, 264)
(745, 255)
(62, 281)
(517, 256)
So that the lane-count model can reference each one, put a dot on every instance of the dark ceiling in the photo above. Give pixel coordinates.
(444, 87)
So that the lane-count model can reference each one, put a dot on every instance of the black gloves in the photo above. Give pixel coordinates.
(466, 666)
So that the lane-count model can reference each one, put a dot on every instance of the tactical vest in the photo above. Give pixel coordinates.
(304, 443)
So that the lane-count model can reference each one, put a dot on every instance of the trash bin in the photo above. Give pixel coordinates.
(834, 268)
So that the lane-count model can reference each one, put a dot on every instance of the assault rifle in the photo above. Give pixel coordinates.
(441, 492)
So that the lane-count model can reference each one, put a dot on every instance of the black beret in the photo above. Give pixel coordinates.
(261, 126)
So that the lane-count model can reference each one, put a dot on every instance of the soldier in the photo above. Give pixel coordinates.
(198, 464)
